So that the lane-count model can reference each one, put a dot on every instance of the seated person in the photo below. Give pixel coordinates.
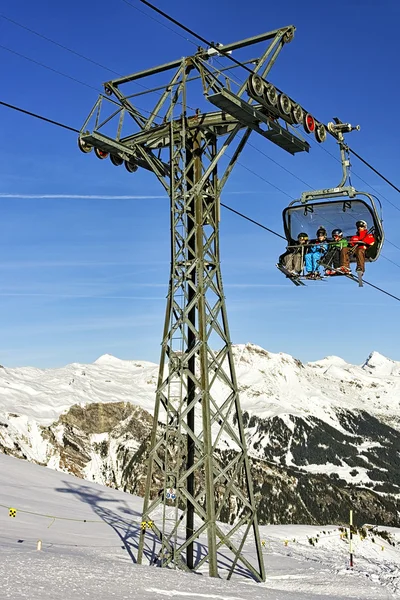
(314, 255)
(358, 246)
(293, 259)
(332, 257)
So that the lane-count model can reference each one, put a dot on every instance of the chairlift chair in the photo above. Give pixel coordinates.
(336, 208)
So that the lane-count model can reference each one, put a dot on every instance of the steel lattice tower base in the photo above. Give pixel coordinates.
(199, 507)
(197, 411)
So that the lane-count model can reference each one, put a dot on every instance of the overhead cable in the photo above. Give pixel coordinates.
(90, 60)
(240, 64)
(44, 37)
(358, 176)
(157, 21)
(253, 221)
(36, 116)
(196, 35)
(278, 164)
(391, 261)
(275, 233)
(374, 170)
(58, 124)
(36, 62)
(72, 51)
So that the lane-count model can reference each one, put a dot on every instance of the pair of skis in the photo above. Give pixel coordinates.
(296, 279)
(293, 278)
(357, 278)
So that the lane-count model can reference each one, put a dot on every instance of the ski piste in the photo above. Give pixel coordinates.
(357, 278)
(293, 278)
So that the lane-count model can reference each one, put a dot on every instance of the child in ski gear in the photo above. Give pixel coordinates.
(293, 258)
(358, 245)
(316, 252)
(333, 255)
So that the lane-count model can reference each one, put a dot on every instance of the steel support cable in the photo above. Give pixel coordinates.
(253, 221)
(158, 21)
(374, 170)
(390, 260)
(40, 64)
(58, 124)
(305, 183)
(279, 165)
(44, 37)
(72, 52)
(381, 290)
(143, 86)
(194, 34)
(36, 116)
(224, 205)
(391, 243)
(263, 179)
(36, 62)
(277, 234)
(240, 64)
(358, 176)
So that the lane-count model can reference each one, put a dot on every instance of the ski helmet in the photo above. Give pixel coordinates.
(302, 236)
(337, 232)
(361, 224)
(321, 231)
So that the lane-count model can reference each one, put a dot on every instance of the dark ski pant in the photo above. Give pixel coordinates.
(359, 253)
(292, 261)
(332, 258)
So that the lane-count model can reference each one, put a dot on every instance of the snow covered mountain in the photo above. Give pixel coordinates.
(321, 435)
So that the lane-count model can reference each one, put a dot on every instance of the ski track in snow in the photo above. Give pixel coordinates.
(93, 555)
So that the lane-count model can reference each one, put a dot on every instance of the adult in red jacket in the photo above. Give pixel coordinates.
(358, 245)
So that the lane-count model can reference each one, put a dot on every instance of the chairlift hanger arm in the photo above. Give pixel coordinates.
(337, 129)
(346, 191)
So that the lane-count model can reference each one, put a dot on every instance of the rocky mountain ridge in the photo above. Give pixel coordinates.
(319, 434)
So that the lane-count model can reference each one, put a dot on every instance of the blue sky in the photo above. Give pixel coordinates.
(83, 273)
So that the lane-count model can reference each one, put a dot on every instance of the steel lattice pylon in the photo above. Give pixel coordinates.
(199, 506)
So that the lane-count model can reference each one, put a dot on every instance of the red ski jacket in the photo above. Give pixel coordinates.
(362, 236)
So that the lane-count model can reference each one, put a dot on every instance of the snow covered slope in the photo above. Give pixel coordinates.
(89, 533)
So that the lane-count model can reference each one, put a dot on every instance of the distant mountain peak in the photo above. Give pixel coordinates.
(252, 352)
(378, 364)
(376, 358)
(107, 359)
(329, 361)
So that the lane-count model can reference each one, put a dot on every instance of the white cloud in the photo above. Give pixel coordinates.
(77, 263)
(79, 196)
(88, 296)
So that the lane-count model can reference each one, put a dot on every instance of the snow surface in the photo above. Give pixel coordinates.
(89, 532)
